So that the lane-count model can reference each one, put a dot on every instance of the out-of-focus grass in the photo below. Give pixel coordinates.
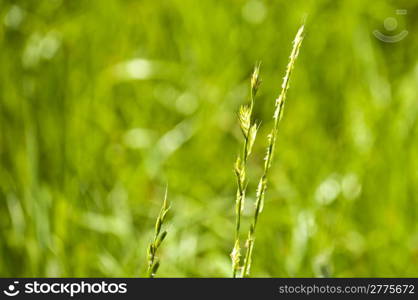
(102, 103)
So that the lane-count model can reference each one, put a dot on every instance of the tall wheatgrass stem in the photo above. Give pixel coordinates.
(272, 137)
(249, 130)
(159, 236)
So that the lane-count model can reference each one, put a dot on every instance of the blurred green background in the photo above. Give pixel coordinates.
(104, 103)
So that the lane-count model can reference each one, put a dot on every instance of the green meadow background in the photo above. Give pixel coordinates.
(105, 103)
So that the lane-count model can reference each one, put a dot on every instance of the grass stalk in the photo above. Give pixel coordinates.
(249, 130)
(159, 236)
(272, 137)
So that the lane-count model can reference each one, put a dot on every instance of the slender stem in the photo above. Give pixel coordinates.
(262, 184)
(159, 236)
(249, 131)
